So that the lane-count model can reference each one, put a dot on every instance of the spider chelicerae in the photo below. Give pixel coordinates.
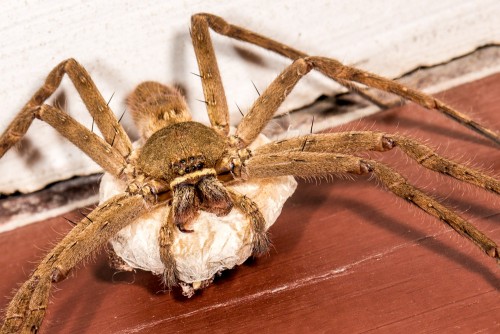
(191, 168)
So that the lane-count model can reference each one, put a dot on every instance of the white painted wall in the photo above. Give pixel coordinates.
(122, 43)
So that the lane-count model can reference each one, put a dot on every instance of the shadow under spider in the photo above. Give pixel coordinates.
(370, 214)
(398, 117)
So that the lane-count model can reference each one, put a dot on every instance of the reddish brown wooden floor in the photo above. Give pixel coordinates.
(348, 257)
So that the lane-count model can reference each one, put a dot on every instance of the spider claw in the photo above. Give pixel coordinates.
(183, 228)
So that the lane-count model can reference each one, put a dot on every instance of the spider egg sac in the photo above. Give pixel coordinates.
(217, 243)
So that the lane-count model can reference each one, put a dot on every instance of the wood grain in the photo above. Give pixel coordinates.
(348, 257)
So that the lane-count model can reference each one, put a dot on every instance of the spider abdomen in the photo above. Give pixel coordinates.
(155, 106)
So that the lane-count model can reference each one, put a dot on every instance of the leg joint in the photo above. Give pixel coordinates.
(365, 167)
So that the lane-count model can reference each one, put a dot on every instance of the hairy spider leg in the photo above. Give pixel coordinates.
(345, 75)
(165, 241)
(91, 144)
(250, 209)
(305, 164)
(213, 90)
(27, 309)
(356, 141)
(112, 131)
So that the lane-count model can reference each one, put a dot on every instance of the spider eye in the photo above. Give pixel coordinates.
(199, 165)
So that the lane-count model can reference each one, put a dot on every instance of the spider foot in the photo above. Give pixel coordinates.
(170, 275)
(261, 243)
(115, 261)
(494, 252)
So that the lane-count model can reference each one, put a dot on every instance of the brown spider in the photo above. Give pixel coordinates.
(189, 166)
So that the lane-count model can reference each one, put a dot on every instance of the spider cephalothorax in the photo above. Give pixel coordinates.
(184, 155)
(183, 176)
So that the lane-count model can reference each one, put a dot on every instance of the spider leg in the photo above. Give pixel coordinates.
(345, 75)
(306, 164)
(334, 69)
(222, 27)
(111, 130)
(355, 141)
(213, 89)
(246, 205)
(165, 241)
(91, 144)
(27, 309)
(268, 102)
